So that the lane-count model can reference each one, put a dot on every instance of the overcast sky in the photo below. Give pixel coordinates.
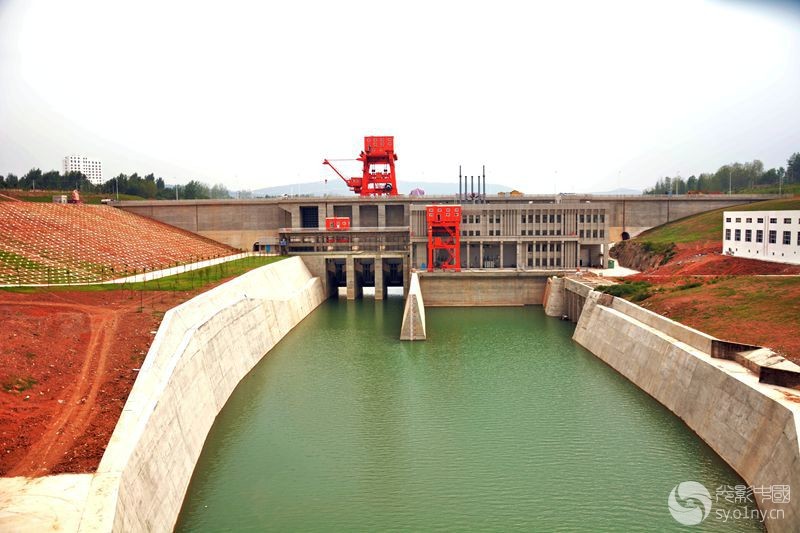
(573, 96)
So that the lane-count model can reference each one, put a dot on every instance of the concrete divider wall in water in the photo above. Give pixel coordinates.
(413, 326)
(202, 350)
(751, 425)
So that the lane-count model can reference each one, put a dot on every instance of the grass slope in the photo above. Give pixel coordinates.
(707, 226)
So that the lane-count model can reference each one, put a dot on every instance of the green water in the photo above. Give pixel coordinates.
(497, 422)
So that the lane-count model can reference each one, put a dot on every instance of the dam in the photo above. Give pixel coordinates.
(497, 421)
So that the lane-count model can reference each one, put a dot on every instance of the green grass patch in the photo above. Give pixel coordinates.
(689, 285)
(635, 291)
(707, 226)
(18, 384)
(185, 281)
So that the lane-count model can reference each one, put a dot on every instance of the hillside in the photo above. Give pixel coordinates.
(686, 277)
(56, 243)
(693, 246)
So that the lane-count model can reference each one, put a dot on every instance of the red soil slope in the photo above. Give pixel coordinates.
(52, 243)
(69, 361)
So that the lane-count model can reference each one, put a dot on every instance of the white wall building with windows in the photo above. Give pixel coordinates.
(90, 168)
(765, 235)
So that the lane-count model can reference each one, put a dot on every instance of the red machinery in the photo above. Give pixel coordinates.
(337, 223)
(444, 233)
(374, 181)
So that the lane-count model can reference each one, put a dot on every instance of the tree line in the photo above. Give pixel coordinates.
(736, 177)
(147, 186)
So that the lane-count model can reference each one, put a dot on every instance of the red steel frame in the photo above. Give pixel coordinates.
(378, 150)
(444, 233)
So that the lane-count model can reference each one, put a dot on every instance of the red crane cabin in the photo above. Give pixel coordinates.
(378, 175)
(444, 233)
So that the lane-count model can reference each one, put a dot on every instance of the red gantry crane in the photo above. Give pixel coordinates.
(375, 181)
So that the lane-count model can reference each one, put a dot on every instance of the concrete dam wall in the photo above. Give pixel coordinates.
(202, 350)
(751, 425)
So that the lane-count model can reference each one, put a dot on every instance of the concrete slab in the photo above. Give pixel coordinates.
(53, 503)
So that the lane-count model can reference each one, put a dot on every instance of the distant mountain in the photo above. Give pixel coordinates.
(619, 192)
(338, 188)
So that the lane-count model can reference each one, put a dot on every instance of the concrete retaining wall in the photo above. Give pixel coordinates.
(497, 288)
(202, 350)
(752, 426)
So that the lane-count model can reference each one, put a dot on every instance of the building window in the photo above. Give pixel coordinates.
(538, 247)
(760, 220)
(727, 234)
(464, 219)
(602, 234)
(748, 235)
(558, 219)
(787, 220)
(737, 235)
(552, 218)
(477, 219)
(530, 248)
(749, 220)
(580, 218)
(738, 220)
(538, 219)
(580, 234)
(478, 233)
(798, 238)
(773, 221)
(594, 218)
(537, 232)
(787, 237)
(602, 218)
(524, 219)
(773, 235)
(558, 261)
(728, 219)
(759, 235)
(594, 234)
(471, 219)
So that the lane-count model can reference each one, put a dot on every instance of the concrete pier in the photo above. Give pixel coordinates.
(413, 328)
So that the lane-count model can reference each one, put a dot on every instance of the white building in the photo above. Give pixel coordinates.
(90, 168)
(765, 235)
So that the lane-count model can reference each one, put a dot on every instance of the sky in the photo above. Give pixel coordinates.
(550, 96)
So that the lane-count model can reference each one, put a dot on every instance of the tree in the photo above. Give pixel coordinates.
(691, 183)
(12, 182)
(195, 190)
(219, 192)
(793, 168)
(160, 184)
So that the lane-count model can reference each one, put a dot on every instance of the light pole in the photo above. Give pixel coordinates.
(730, 172)
(116, 186)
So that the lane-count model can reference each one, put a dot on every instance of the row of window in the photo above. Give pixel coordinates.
(544, 247)
(536, 219)
(544, 261)
(749, 220)
(595, 218)
(583, 234)
(773, 236)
